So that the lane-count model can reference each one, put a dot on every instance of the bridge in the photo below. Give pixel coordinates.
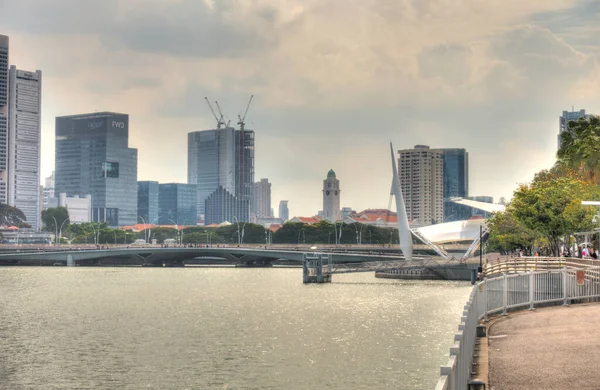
(154, 256)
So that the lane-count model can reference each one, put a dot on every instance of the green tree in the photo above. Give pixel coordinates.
(506, 234)
(12, 216)
(580, 148)
(55, 218)
(551, 206)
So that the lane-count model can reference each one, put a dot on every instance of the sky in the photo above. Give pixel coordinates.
(334, 82)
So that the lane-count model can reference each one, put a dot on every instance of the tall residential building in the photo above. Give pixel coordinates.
(3, 117)
(284, 211)
(24, 136)
(221, 165)
(563, 121)
(177, 204)
(421, 178)
(48, 189)
(147, 201)
(93, 157)
(456, 180)
(261, 199)
(331, 197)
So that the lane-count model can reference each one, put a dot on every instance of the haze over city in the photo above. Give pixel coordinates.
(334, 82)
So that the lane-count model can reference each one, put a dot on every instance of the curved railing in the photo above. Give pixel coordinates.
(515, 291)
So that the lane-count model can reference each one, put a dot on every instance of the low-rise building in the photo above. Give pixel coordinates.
(80, 209)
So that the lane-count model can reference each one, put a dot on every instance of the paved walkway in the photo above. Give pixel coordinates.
(546, 349)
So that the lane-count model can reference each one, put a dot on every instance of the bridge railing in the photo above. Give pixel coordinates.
(514, 291)
(524, 264)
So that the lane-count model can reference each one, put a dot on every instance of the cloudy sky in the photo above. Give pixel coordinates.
(334, 81)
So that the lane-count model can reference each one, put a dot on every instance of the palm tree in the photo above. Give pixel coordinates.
(11, 216)
(580, 148)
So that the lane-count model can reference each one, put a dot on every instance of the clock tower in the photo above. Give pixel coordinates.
(331, 198)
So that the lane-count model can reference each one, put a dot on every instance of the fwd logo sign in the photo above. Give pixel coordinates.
(120, 125)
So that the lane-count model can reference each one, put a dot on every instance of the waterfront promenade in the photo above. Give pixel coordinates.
(549, 348)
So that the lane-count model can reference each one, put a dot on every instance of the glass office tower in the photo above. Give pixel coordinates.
(93, 157)
(177, 204)
(147, 201)
(456, 182)
(221, 165)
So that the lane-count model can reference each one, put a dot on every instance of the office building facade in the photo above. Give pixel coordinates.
(177, 204)
(80, 209)
(563, 121)
(284, 211)
(93, 158)
(24, 137)
(261, 199)
(4, 45)
(421, 179)
(221, 165)
(455, 180)
(147, 206)
(47, 190)
(331, 197)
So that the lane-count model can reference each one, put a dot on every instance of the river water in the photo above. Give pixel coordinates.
(221, 328)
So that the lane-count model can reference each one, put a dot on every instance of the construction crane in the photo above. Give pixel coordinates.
(242, 119)
(219, 120)
(222, 116)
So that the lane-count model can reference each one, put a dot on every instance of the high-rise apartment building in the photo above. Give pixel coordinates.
(3, 118)
(563, 121)
(284, 211)
(331, 197)
(456, 180)
(421, 178)
(93, 157)
(147, 206)
(177, 204)
(24, 136)
(221, 165)
(261, 199)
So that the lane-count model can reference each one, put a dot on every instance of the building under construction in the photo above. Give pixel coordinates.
(221, 165)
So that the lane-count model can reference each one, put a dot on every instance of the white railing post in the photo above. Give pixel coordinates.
(504, 294)
(565, 290)
(531, 289)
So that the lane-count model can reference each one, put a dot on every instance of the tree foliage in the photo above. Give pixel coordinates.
(580, 148)
(12, 216)
(551, 205)
(55, 217)
(506, 234)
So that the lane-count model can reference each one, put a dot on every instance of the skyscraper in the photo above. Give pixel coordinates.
(261, 200)
(221, 165)
(331, 197)
(177, 204)
(421, 179)
(93, 157)
(48, 190)
(456, 180)
(24, 133)
(284, 211)
(3, 117)
(563, 121)
(147, 206)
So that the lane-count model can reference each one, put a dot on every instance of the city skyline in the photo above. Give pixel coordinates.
(489, 97)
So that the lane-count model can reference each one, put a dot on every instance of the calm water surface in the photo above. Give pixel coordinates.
(199, 328)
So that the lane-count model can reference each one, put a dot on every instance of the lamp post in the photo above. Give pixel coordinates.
(60, 230)
(145, 231)
(176, 231)
(55, 229)
(237, 225)
(151, 224)
(96, 235)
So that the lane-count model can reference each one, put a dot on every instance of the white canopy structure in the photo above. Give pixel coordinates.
(487, 207)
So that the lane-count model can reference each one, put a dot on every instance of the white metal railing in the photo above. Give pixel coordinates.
(512, 291)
